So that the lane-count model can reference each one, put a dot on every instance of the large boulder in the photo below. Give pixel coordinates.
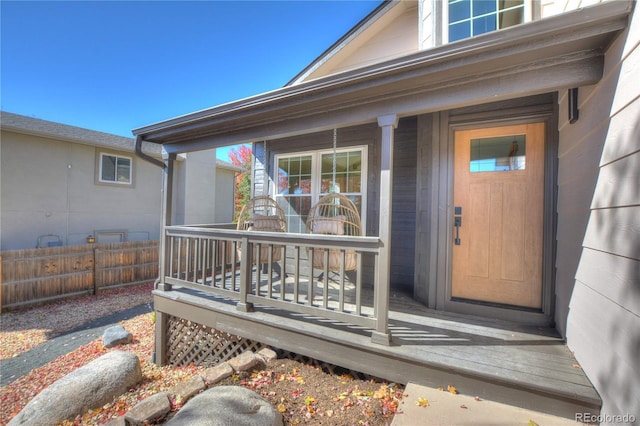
(90, 386)
(227, 405)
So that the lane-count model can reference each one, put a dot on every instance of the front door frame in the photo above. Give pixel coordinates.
(449, 124)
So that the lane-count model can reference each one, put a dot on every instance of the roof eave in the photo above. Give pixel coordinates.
(587, 29)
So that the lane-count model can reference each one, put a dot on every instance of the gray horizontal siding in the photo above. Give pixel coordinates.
(599, 229)
(403, 222)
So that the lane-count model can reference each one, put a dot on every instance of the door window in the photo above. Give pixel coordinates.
(496, 154)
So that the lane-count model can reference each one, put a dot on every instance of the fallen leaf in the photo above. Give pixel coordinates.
(421, 402)
(440, 389)
(281, 408)
(452, 389)
(463, 406)
(477, 398)
(532, 423)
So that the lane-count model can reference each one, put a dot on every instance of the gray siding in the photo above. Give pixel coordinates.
(426, 198)
(598, 261)
(403, 225)
(259, 180)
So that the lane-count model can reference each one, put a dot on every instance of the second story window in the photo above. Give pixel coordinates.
(469, 18)
(115, 169)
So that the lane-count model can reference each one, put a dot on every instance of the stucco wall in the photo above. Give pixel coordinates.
(225, 192)
(194, 188)
(598, 260)
(49, 187)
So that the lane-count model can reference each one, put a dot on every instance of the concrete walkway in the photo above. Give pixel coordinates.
(16, 367)
(446, 409)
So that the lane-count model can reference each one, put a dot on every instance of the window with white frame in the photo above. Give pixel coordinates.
(302, 178)
(115, 169)
(469, 18)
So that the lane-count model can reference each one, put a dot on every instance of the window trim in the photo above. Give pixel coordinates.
(528, 17)
(100, 180)
(316, 175)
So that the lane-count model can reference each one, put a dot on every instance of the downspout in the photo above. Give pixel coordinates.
(146, 157)
(156, 162)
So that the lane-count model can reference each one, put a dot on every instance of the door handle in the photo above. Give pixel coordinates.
(457, 222)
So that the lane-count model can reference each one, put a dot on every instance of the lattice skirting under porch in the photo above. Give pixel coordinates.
(191, 343)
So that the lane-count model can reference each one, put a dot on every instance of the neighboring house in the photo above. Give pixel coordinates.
(225, 190)
(497, 174)
(62, 184)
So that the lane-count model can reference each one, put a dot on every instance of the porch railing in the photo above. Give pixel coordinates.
(275, 269)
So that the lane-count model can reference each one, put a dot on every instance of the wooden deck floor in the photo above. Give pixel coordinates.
(499, 361)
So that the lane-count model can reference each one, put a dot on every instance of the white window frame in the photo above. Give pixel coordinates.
(528, 16)
(316, 176)
(115, 181)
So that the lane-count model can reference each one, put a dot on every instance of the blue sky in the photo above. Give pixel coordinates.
(114, 66)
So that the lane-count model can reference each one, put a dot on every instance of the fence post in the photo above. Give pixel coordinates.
(0, 283)
(95, 271)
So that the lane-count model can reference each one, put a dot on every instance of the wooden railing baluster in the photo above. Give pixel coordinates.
(200, 254)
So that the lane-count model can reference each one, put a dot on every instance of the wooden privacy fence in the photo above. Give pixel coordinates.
(38, 275)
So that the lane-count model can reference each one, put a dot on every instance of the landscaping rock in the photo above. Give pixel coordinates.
(118, 421)
(88, 387)
(116, 335)
(214, 374)
(153, 408)
(185, 390)
(267, 355)
(245, 361)
(227, 405)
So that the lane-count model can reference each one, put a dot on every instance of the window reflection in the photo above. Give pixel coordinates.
(298, 187)
(505, 153)
(468, 18)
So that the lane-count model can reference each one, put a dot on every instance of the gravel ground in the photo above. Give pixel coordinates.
(24, 362)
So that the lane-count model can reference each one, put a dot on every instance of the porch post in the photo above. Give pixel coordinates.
(159, 356)
(381, 335)
(246, 266)
(167, 203)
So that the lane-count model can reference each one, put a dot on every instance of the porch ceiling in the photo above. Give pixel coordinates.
(547, 55)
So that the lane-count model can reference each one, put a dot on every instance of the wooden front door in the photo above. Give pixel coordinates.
(498, 207)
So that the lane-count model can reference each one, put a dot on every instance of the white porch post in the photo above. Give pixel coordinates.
(381, 335)
(167, 205)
